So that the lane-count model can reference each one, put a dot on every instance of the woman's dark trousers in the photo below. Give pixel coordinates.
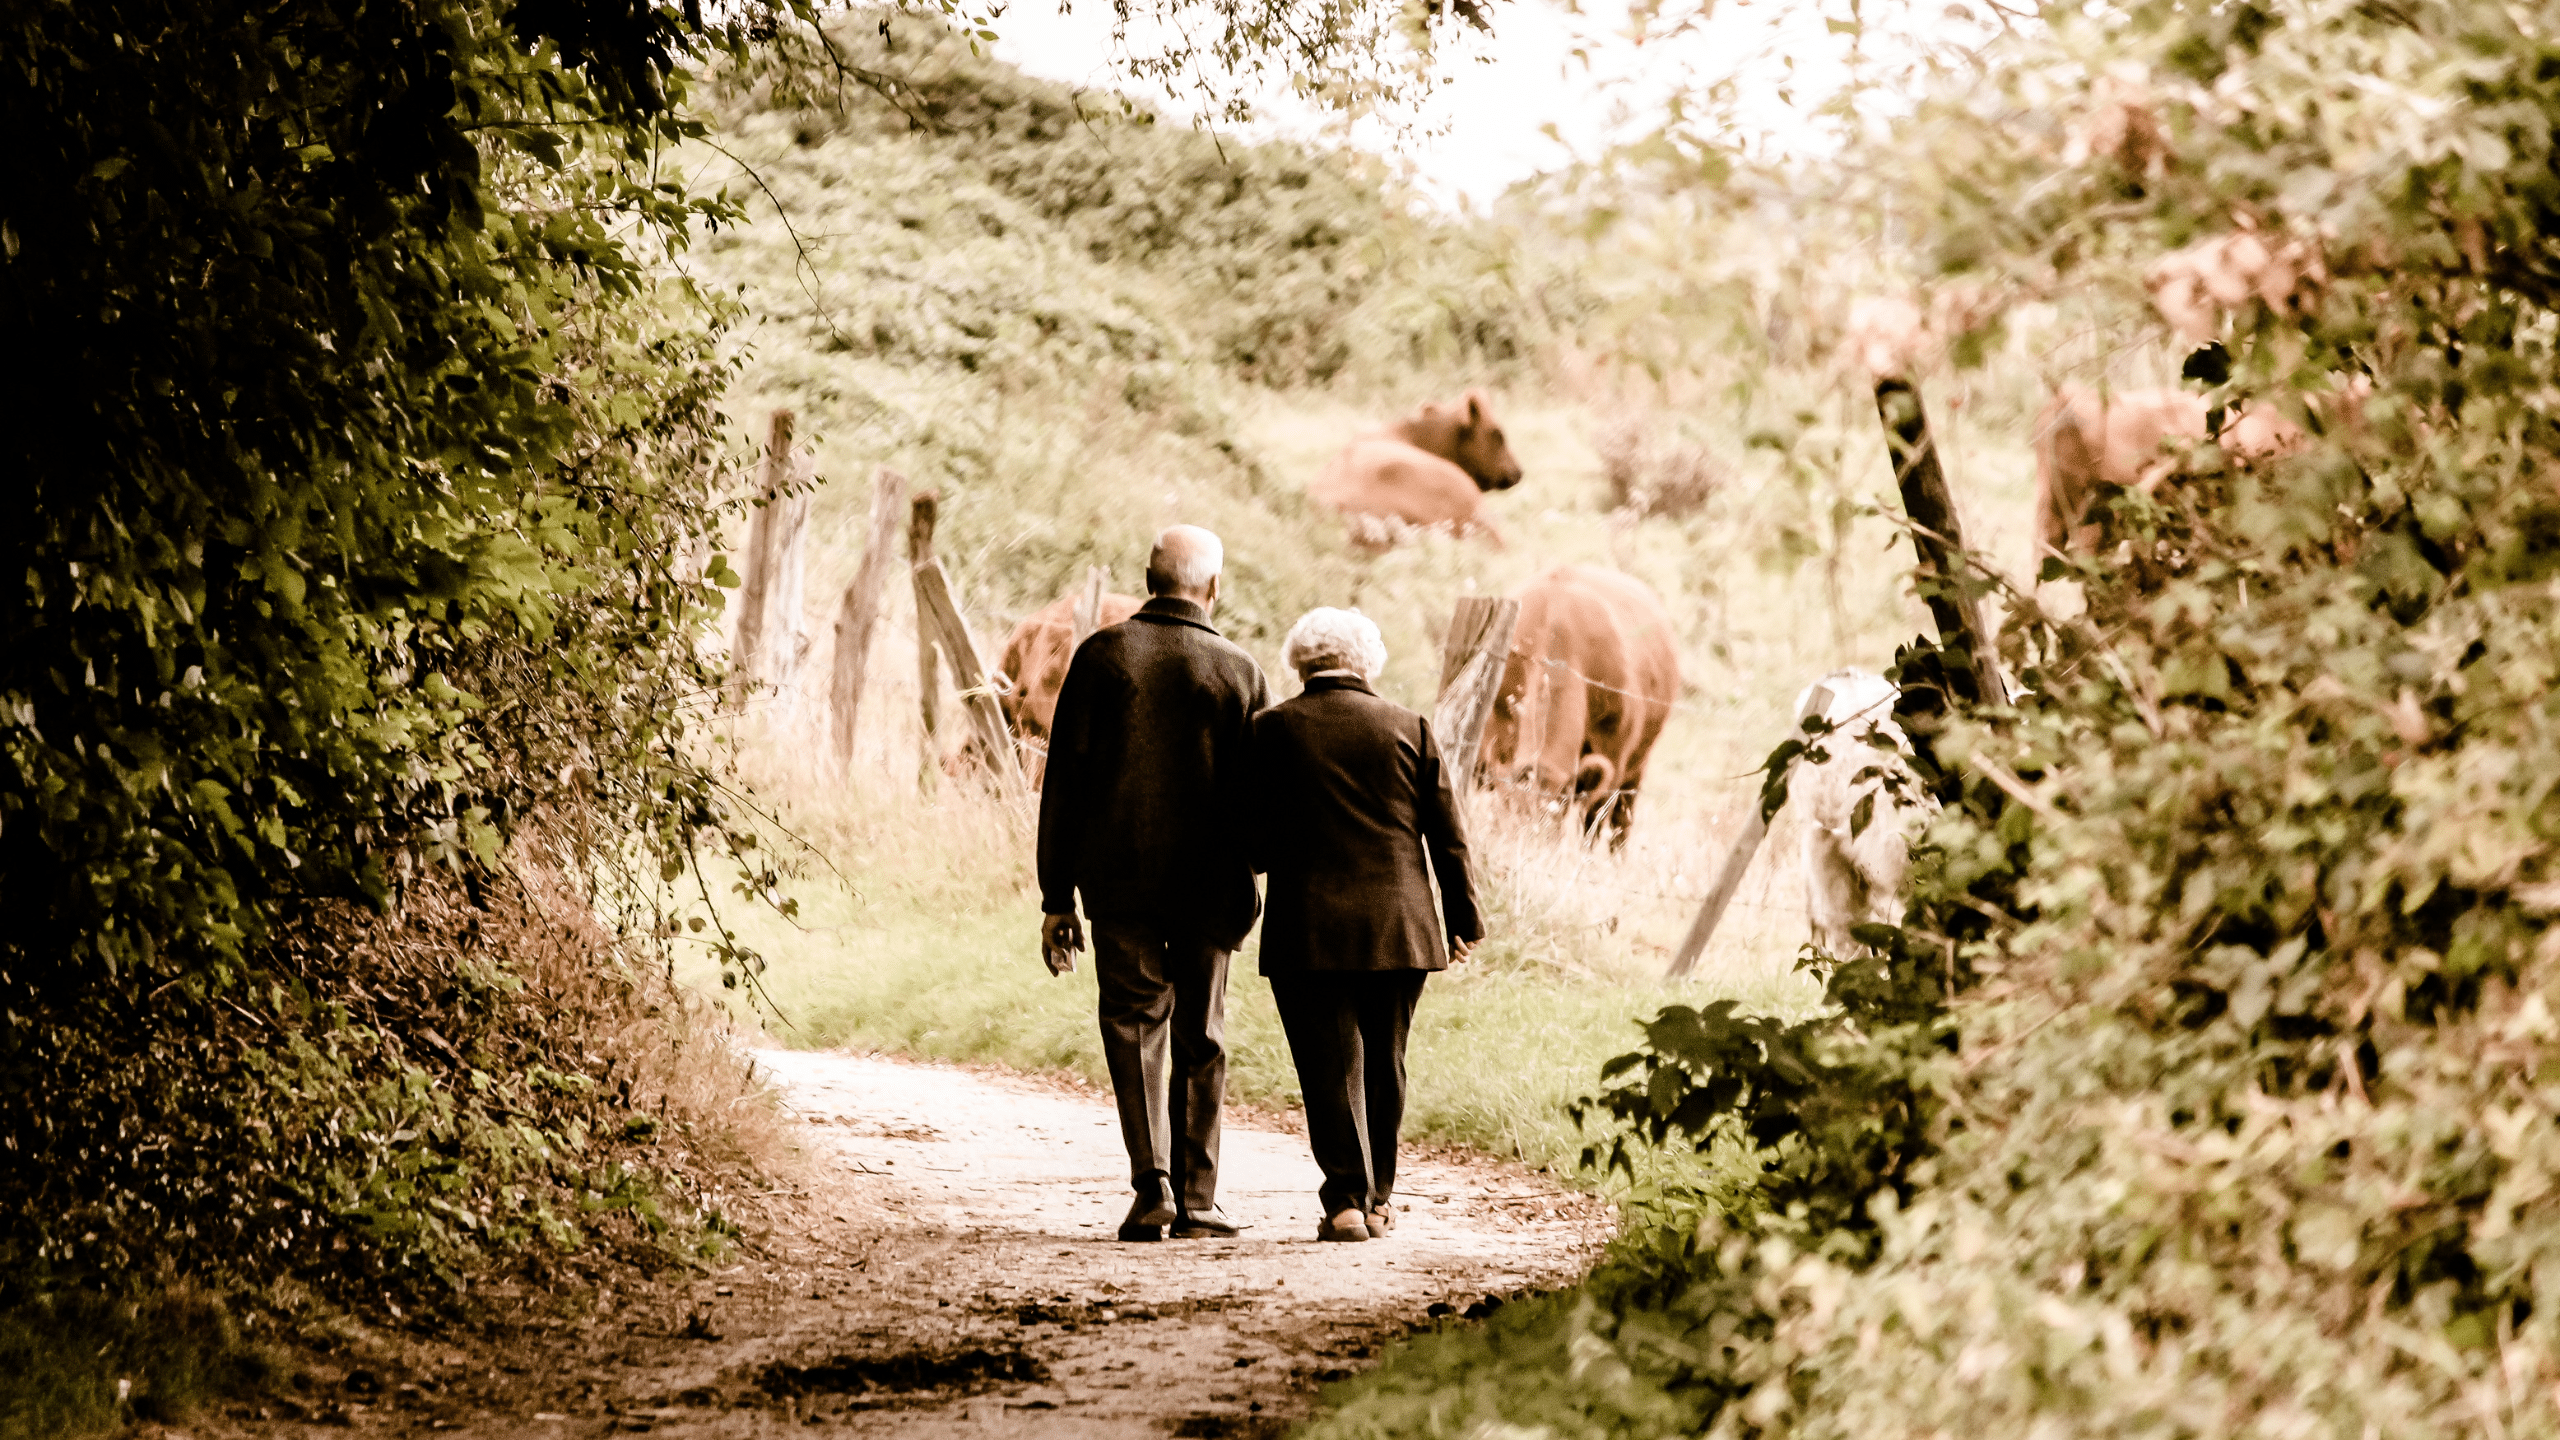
(1346, 1031)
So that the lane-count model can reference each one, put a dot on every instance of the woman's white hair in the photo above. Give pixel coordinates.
(1328, 639)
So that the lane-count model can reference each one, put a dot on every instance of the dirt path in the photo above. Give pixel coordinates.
(951, 1267)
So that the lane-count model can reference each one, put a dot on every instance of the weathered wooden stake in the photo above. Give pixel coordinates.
(1755, 828)
(1088, 616)
(1938, 536)
(940, 626)
(771, 640)
(860, 613)
(1472, 660)
(920, 520)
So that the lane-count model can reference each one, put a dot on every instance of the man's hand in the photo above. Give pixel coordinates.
(1061, 936)
(1459, 949)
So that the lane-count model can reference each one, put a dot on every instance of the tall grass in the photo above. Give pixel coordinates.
(932, 953)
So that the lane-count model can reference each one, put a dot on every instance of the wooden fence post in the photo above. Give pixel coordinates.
(860, 612)
(941, 627)
(771, 639)
(922, 513)
(1938, 537)
(1088, 617)
(1472, 660)
(1755, 828)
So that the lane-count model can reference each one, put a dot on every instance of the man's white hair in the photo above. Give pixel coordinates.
(1186, 557)
(1330, 639)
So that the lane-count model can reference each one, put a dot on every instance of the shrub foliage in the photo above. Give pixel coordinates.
(2206, 1088)
(347, 494)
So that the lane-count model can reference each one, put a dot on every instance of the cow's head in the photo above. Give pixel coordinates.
(1552, 774)
(1468, 436)
(1513, 758)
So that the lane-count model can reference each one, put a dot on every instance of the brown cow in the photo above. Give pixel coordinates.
(2090, 445)
(1034, 664)
(1591, 678)
(1429, 469)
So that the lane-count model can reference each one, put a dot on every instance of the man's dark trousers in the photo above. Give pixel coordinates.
(1164, 1022)
(1347, 1031)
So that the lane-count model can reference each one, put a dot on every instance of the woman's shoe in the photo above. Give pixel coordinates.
(1344, 1225)
(1380, 1221)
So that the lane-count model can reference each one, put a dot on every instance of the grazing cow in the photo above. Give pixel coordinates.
(1429, 469)
(2091, 445)
(1034, 664)
(1591, 677)
(1854, 865)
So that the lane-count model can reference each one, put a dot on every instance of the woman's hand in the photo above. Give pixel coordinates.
(1459, 949)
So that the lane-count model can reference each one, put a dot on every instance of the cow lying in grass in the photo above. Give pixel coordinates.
(1428, 470)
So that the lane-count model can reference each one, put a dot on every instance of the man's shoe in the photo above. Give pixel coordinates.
(1151, 1212)
(1381, 1220)
(1209, 1224)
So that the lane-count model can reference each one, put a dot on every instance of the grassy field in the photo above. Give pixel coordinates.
(1050, 317)
(931, 952)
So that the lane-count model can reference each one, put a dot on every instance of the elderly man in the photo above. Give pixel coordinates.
(1146, 768)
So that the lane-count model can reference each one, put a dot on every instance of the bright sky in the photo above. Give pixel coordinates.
(1547, 87)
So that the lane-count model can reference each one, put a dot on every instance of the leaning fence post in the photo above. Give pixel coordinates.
(860, 612)
(921, 514)
(1938, 537)
(940, 626)
(1088, 616)
(1755, 828)
(1471, 666)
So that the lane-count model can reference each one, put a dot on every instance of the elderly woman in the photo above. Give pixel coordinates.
(1353, 803)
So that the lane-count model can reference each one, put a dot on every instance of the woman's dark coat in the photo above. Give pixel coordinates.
(1351, 797)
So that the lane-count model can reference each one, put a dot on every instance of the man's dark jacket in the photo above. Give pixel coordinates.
(1350, 797)
(1142, 807)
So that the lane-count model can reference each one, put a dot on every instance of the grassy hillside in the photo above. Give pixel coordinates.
(1051, 310)
(1079, 326)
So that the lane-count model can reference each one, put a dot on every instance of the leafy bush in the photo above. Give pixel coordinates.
(1290, 263)
(344, 536)
(2205, 1088)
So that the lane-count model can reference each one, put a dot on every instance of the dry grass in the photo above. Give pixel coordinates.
(1652, 471)
(1577, 911)
(490, 989)
(677, 1054)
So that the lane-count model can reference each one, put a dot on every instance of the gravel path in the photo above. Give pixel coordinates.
(949, 1267)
